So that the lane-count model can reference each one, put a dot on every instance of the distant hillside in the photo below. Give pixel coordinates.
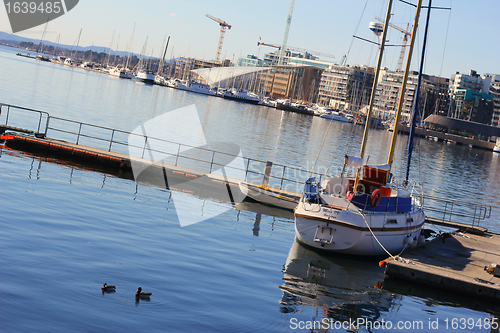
(16, 40)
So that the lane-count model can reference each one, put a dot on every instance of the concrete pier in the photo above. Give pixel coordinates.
(453, 262)
(442, 136)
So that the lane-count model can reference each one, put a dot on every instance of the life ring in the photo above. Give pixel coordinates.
(375, 198)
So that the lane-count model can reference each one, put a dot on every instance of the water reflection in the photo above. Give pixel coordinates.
(433, 297)
(343, 289)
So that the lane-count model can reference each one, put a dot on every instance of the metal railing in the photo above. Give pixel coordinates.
(178, 154)
(208, 160)
(452, 210)
(19, 120)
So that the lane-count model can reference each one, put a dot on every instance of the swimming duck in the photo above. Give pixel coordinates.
(108, 288)
(140, 294)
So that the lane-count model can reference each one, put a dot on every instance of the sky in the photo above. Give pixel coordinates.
(460, 39)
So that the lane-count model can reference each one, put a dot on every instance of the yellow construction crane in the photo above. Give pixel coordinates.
(405, 40)
(223, 26)
(291, 48)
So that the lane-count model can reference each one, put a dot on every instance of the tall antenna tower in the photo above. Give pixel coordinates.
(287, 29)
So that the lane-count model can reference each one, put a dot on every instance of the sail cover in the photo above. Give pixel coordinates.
(218, 74)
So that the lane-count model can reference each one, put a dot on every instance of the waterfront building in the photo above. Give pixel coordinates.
(184, 65)
(345, 88)
(473, 106)
(387, 94)
(475, 98)
(251, 60)
(295, 82)
(493, 88)
(471, 81)
(272, 58)
(434, 97)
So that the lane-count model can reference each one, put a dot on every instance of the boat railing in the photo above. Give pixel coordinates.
(178, 154)
(451, 210)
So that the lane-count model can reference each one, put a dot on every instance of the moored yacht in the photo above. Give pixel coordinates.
(42, 57)
(241, 96)
(144, 76)
(120, 72)
(338, 116)
(287, 105)
(376, 218)
(196, 87)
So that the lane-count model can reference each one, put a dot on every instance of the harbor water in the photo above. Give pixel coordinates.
(65, 229)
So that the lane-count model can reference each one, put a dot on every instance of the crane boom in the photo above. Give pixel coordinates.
(405, 40)
(223, 27)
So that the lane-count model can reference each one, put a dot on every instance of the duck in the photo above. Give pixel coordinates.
(108, 288)
(140, 294)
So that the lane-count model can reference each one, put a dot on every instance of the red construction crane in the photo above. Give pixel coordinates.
(223, 26)
(405, 40)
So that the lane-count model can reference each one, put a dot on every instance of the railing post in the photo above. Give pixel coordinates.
(111, 141)
(144, 148)
(246, 171)
(7, 117)
(39, 123)
(178, 152)
(282, 177)
(79, 131)
(212, 161)
(47, 125)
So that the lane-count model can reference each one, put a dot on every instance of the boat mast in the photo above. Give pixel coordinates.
(374, 88)
(403, 86)
(129, 49)
(78, 42)
(57, 44)
(415, 102)
(162, 63)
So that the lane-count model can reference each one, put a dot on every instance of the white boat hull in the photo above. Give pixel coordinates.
(354, 233)
(145, 77)
(270, 196)
(196, 88)
(122, 74)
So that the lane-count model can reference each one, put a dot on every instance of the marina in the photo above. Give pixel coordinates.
(225, 227)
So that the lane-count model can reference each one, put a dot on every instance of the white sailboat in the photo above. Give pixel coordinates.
(120, 72)
(159, 78)
(143, 73)
(40, 56)
(270, 196)
(497, 146)
(366, 215)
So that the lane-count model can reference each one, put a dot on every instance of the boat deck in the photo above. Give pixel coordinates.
(455, 263)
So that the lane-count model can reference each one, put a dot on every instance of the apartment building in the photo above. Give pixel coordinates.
(345, 87)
